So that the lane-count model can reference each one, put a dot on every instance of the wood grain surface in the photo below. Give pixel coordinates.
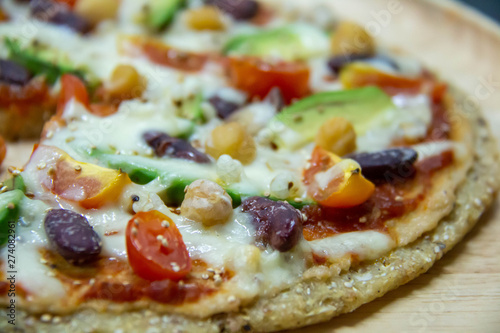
(461, 293)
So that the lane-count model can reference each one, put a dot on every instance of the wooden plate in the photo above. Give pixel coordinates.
(461, 293)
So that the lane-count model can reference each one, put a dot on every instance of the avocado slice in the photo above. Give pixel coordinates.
(292, 42)
(160, 13)
(191, 109)
(298, 124)
(41, 60)
(9, 212)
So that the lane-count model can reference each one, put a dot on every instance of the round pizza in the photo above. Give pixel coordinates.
(221, 166)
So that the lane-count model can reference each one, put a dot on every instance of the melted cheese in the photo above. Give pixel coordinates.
(367, 245)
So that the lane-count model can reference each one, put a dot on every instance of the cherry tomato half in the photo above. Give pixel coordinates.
(155, 247)
(71, 87)
(257, 77)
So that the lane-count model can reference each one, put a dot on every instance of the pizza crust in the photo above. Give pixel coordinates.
(320, 297)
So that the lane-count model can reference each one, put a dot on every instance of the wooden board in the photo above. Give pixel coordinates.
(461, 293)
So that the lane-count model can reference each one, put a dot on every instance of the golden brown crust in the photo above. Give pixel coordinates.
(318, 299)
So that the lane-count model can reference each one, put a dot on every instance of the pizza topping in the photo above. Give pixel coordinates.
(284, 185)
(231, 139)
(47, 10)
(223, 107)
(71, 88)
(160, 13)
(16, 182)
(95, 11)
(207, 202)
(72, 236)
(387, 165)
(350, 38)
(257, 77)
(336, 63)
(162, 54)
(88, 184)
(125, 83)
(278, 224)
(228, 169)
(335, 182)
(9, 212)
(155, 247)
(39, 59)
(239, 10)
(165, 145)
(34, 92)
(13, 73)
(299, 123)
(337, 135)
(358, 75)
(289, 43)
(205, 18)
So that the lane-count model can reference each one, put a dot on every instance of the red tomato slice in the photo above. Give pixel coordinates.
(161, 53)
(71, 87)
(156, 251)
(258, 78)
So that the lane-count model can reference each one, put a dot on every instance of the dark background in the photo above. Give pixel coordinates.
(488, 7)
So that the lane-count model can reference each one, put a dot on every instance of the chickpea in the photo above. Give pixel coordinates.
(96, 11)
(205, 18)
(337, 135)
(125, 83)
(231, 139)
(351, 38)
(207, 202)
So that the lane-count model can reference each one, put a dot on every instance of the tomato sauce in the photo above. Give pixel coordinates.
(22, 98)
(113, 280)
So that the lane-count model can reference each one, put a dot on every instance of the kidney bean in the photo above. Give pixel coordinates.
(278, 223)
(223, 108)
(387, 165)
(13, 73)
(57, 13)
(165, 145)
(72, 236)
(238, 9)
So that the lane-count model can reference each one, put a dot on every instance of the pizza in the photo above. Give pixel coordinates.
(221, 166)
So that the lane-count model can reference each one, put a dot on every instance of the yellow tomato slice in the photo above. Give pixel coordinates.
(357, 75)
(336, 182)
(90, 185)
